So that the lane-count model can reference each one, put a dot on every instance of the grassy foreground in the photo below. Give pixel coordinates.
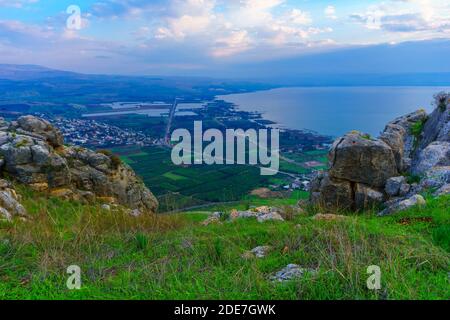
(174, 257)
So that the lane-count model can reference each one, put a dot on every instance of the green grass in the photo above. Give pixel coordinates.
(173, 176)
(174, 257)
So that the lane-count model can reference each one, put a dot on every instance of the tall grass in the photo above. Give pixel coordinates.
(174, 257)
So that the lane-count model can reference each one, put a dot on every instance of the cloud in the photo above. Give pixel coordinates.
(416, 17)
(16, 3)
(330, 12)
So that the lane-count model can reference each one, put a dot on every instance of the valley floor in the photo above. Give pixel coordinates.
(175, 257)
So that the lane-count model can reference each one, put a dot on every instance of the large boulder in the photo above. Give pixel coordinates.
(42, 128)
(366, 197)
(32, 152)
(358, 158)
(331, 193)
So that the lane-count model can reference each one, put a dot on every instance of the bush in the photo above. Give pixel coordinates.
(115, 160)
(442, 100)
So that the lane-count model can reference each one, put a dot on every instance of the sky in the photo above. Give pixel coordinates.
(183, 37)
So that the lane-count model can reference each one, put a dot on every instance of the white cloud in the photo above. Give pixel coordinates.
(238, 27)
(330, 12)
(413, 18)
(236, 42)
(16, 3)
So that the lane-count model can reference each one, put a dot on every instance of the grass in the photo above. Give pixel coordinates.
(174, 257)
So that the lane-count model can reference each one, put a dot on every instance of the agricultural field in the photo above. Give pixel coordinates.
(197, 185)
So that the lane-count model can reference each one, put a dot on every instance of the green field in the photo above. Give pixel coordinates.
(186, 186)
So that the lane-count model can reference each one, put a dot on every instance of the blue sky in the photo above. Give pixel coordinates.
(191, 36)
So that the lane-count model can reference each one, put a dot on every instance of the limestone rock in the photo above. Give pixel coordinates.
(436, 177)
(367, 197)
(32, 152)
(445, 189)
(404, 204)
(435, 154)
(393, 185)
(290, 272)
(437, 127)
(10, 205)
(272, 216)
(242, 214)
(358, 158)
(41, 127)
(258, 252)
(331, 193)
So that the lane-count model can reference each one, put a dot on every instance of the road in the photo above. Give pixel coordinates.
(173, 109)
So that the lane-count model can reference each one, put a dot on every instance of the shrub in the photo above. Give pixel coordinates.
(442, 100)
(412, 178)
(115, 160)
(105, 152)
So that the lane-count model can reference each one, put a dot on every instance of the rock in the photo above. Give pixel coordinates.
(217, 214)
(445, 189)
(10, 205)
(106, 207)
(290, 272)
(39, 187)
(393, 185)
(366, 197)
(135, 213)
(331, 193)
(435, 154)
(210, 220)
(436, 177)
(272, 216)
(32, 152)
(437, 127)
(357, 158)
(258, 252)
(398, 136)
(242, 214)
(64, 193)
(41, 127)
(405, 188)
(328, 217)
(187, 244)
(394, 135)
(416, 200)
(263, 209)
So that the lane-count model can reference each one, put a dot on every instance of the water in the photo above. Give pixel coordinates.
(335, 110)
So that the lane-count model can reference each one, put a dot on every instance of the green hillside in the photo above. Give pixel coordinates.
(175, 257)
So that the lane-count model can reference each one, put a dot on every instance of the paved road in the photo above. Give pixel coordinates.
(169, 122)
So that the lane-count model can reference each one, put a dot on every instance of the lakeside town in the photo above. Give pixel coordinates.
(302, 151)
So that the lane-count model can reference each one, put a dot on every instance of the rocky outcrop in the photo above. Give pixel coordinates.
(398, 134)
(358, 158)
(366, 172)
(359, 169)
(32, 152)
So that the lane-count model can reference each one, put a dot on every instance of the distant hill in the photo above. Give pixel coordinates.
(407, 63)
(29, 72)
